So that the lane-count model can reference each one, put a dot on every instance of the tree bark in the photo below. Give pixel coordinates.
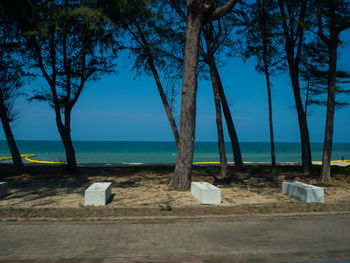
(64, 131)
(68, 146)
(182, 174)
(303, 127)
(221, 141)
(328, 137)
(16, 157)
(150, 60)
(164, 100)
(293, 64)
(237, 156)
(272, 144)
(268, 84)
(307, 95)
(209, 58)
(197, 12)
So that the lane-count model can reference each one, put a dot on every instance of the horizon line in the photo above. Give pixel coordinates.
(18, 140)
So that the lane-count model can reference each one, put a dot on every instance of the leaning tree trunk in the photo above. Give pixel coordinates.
(303, 128)
(221, 141)
(229, 122)
(328, 137)
(16, 157)
(182, 174)
(293, 38)
(307, 95)
(164, 101)
(150, 60)
(304, 131)
(272, 144)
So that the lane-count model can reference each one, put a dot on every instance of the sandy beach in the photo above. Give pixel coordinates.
(52, 186)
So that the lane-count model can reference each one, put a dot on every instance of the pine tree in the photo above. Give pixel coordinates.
(156, 48)
(72, 43)
(259, 26)
(199, 13)
(333, 17)
(293, 16)
(12, 75)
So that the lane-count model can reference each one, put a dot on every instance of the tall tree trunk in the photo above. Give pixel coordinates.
(68, 146)
(221, 141)
(307, 95)
(210, 39)
(164, 101)
(272, 144)
(268, 83)
(328, 137)
(182, 174)
(16, 157)
(150, 60)
(229, 122)
(303, 128)
(295, 40)
(64, 131)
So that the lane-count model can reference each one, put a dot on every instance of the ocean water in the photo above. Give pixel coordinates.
(165, 152)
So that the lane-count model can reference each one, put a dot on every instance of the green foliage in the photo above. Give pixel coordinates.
(315, 59)
(154, 38)
(166, 207)
(72, 43)
(12, 62)
(314, 72)
(260, 21)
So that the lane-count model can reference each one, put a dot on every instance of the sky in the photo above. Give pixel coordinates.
(123, 107)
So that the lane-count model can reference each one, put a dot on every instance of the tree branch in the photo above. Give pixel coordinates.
(83, 78)
(223, 10)
(40, 59)
(135, 36)
(300, 33)
(320, 26)
(177, 8)
(284, 21)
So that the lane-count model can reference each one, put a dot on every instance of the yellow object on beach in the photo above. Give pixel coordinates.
(27, 156)
(206, 163)
(314, 162)
(336, 161)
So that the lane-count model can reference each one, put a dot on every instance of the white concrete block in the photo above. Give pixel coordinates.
(98, 194)
(3, 189)
(304, 192)
(206, 193)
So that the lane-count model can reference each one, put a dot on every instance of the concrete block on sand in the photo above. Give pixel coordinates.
(98, 194)
(304, 192)
(206, 193)
(3, 189)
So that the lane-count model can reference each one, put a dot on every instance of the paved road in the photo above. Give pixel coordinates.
(236, 239)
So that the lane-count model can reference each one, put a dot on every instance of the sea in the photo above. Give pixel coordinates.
(165, 152)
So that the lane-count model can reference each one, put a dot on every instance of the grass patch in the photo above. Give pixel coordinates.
(166, 207)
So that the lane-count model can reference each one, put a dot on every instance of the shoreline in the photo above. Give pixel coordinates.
(199, 164)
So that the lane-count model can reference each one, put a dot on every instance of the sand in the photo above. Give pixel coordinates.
(148, 186)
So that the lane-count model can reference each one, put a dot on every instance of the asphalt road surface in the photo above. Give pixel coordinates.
(323, 239)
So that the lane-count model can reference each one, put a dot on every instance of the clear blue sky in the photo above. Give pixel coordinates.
(122, 108)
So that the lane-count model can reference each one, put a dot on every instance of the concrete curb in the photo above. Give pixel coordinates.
(160, 218)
